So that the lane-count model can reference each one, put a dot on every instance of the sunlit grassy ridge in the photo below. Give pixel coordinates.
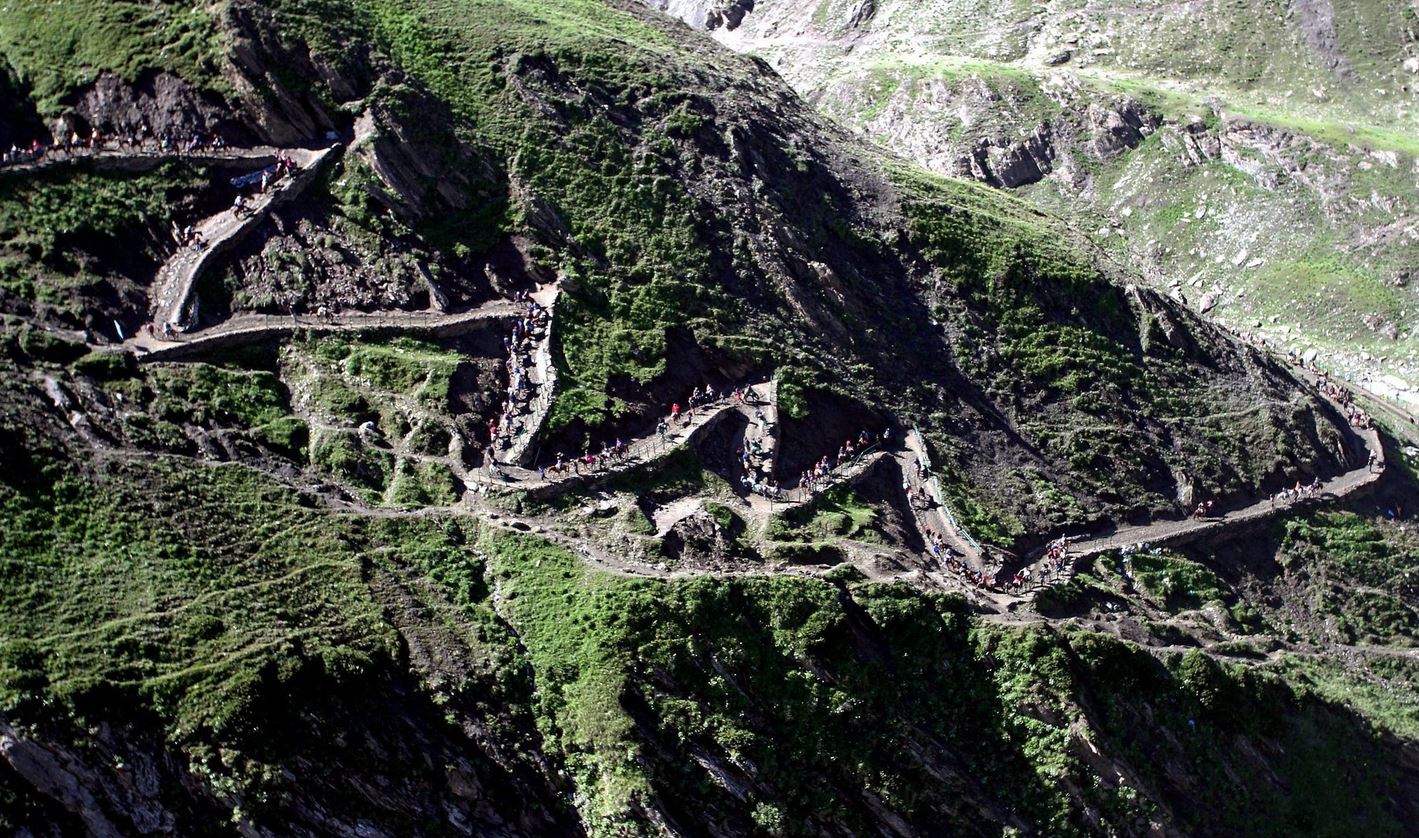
(55, 46)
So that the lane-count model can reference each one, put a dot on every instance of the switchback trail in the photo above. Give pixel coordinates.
(171, 295)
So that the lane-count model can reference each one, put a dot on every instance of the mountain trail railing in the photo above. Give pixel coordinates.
(933, 486)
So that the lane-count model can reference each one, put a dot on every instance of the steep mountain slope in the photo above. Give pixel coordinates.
(733, 230)
(266, 579)
(1257, 160)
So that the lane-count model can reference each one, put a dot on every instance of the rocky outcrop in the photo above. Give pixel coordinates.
(113, 795)
(1117, 127)
(862, 13)
(427, 172)
(708, 14)
(154, 104)
(276, 81)
(1016, 164)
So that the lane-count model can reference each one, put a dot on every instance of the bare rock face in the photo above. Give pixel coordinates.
(862, 13)
(1116, 129)
(114, 795)
(699, 540)
(161, 103)
(1017, 164)
(282, 115)
(1193, 141)
(421, 161)
(708, 14)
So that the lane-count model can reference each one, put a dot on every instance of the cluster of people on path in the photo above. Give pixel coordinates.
(819, 475)
(519, 344)
(612, 454)
(261, 180)
(617, 453)
(188, 236)
(756, 457)
(951, 560)
(138, 139)
(1342, 396)
(1299, 492)
(1050, 567)
(17, 154)
(1203, 510)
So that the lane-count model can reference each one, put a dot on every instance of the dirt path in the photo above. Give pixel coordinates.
(939, 517)
(543, 377)
(171, 294)
(143, 158)
(249, 328)
(1173, 533)
(172, 304)
(639, 451)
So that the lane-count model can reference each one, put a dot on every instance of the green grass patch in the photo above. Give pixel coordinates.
(58, 46)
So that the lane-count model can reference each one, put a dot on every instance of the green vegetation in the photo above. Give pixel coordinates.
(423, 484)
(1175, 581)
(206, 616)
(211, 395)
(1017, 95)
(52, 225)
(835, 514)
(771, 673)
(1359, 569)
(59, 45)
(185, 589)
(638, 257)
(1385, 689)
(1379, 555)
(401, 385)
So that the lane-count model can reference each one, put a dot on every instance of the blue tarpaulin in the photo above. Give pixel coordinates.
(254, 178)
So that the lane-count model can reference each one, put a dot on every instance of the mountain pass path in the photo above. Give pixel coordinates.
(1173, 533)
(249, 328)
(172, 289)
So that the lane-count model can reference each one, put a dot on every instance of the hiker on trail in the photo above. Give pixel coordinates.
(660, 429)
(675, 413)
(239, 205)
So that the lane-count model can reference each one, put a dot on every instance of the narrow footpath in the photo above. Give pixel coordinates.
(171, 294)
(251, 328)
(141, 158)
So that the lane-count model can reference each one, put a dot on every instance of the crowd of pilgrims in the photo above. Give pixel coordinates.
(615, 451)
(285, 166)
(139, 139)
(1342, 396)
(922, 502)
(519, 344)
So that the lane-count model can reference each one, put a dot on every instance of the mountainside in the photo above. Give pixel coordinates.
(292, 542)
(1258, 162)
